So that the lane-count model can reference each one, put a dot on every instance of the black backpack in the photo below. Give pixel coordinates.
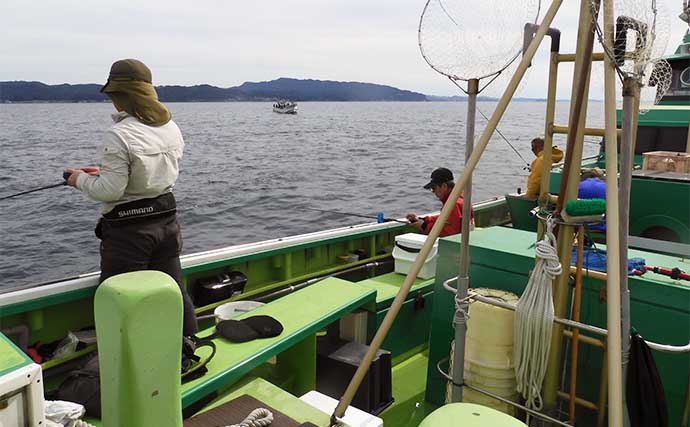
(83, 385)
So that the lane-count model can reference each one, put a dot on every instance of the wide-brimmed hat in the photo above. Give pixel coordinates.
(126, 71)
(130, 86)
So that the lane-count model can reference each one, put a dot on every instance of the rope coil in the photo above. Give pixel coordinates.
(259, 417)
(534, 317)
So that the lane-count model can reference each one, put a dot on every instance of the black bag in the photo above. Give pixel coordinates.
(645, 393)
(192, 365)
(83, 386)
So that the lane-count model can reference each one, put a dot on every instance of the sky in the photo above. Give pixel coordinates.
(225, 43)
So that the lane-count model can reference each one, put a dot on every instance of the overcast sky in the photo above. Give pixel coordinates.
(225, 43)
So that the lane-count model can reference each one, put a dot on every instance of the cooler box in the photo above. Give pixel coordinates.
(407, 248)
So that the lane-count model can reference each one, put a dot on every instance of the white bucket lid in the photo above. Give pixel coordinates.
(233, 309)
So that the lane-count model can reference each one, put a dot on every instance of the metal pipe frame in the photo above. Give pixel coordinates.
(497, 397)
(568, 191)
(566, 322)
(560, 129)
(578, 401)
(570, 57)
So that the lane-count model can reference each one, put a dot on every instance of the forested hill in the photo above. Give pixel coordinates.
(293, 89)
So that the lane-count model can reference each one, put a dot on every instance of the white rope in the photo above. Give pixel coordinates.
(534, 321)
(259, 417)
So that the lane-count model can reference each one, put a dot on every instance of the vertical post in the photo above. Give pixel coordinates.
(627, 152)
(463, 276)
(568, 191)
(139, 325)
(613, 297)
(576, 317)
(548, 135)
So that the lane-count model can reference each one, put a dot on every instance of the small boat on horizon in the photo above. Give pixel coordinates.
(285, 106)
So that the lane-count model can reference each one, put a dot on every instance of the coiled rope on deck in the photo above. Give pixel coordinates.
(534, 316)
(259, 417)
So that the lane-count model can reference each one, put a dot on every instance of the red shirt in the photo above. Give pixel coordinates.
(454, 223)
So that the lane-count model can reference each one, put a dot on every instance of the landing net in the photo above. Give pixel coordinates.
(641, 35)
(474, 39)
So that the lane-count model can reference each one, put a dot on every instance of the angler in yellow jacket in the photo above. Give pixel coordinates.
(534, 179)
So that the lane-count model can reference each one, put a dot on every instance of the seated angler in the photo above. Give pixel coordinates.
(441, 185)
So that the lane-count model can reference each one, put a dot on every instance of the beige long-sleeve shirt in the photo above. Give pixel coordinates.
(138, 162)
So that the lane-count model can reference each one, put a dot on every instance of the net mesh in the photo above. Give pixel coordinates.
(473, 39)
(641, 29)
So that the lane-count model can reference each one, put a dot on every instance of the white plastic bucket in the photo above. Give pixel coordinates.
(489, 351)
(233, 309)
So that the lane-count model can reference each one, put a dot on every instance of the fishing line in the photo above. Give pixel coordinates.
(65, 175)
(507, 142)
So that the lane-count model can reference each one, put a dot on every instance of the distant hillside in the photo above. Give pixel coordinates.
(326, 90)
(37, 91)
(294, 89)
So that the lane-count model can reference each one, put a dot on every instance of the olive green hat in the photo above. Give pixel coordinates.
(131, 87)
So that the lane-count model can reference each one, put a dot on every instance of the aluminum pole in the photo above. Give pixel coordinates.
(463, 276)
(626, 152)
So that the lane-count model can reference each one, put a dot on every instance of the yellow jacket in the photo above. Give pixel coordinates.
(534, 179)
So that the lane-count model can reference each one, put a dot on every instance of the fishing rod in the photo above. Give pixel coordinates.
(65, 175)
(379, 217)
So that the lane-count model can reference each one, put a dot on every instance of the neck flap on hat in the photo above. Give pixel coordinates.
(139, 99)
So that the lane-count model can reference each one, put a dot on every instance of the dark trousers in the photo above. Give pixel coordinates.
(147, 244)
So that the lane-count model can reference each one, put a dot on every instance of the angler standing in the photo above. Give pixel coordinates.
(140, 164)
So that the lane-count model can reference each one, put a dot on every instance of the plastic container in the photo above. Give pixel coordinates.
(233, 309)
(353, 417)
(669, 161)
(489, 361)
(407, 248)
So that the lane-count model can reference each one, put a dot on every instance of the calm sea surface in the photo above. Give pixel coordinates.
(249, 174)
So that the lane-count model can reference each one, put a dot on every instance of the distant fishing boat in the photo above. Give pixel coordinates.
(285, 106)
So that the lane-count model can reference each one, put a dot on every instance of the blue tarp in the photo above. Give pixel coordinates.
(595, 259)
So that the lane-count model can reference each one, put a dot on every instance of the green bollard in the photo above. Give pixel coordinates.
(139, 327)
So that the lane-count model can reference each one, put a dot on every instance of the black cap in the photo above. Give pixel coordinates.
(439, 176)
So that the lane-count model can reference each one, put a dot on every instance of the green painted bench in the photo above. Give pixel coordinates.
(302, 314)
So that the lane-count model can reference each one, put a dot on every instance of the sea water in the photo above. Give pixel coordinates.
(249, 174)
